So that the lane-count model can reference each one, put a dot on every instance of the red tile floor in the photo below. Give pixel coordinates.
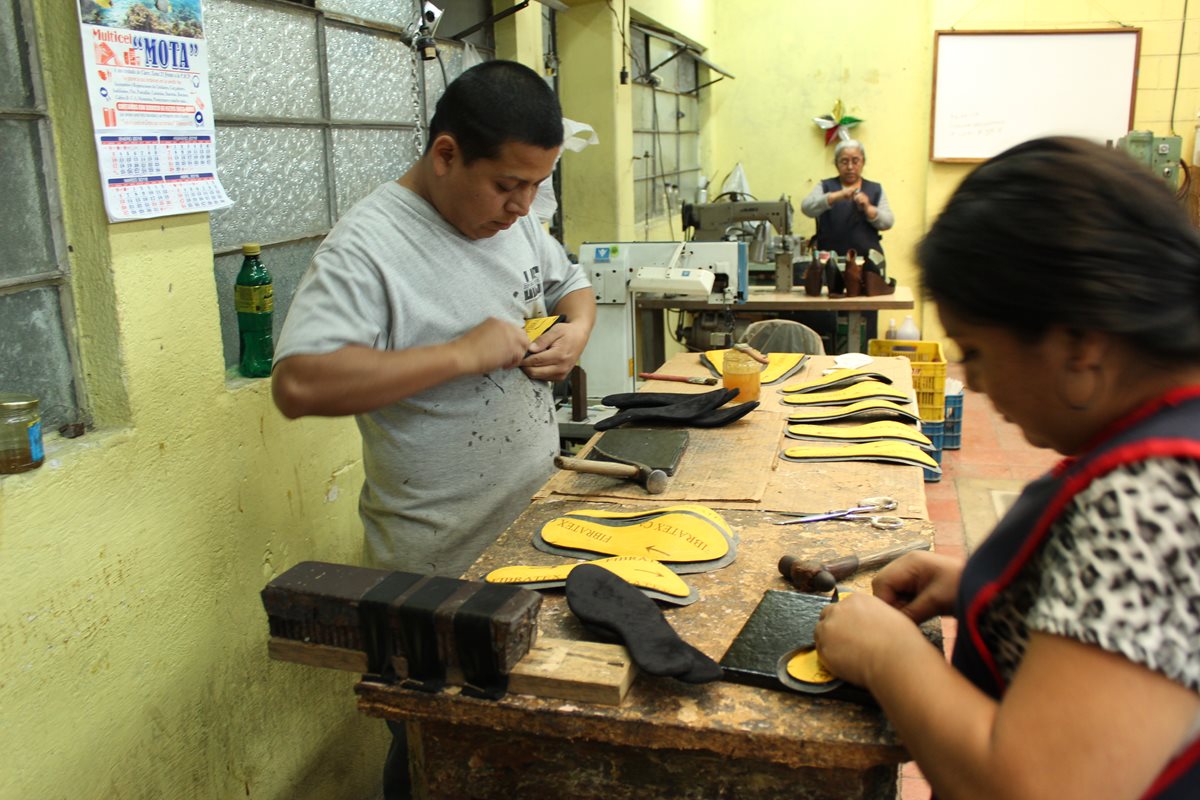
(991, 448)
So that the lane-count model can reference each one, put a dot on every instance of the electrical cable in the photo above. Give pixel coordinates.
(734, 195)
(442, 64)
(1178, 65)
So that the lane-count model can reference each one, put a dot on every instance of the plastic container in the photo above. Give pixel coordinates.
(928, 372)
(254, 301)
(908, 330)
(936, 432)
(953, 434)
(740, 371)
(20, 434)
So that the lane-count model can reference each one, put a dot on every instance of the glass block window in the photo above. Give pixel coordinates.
(302, 139)
(37, 332)
(666, 125)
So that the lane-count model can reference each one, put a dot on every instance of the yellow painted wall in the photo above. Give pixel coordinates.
(1162, 24)
(794, 60)
(132, 640)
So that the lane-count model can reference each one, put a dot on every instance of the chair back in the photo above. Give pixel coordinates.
(783, 336)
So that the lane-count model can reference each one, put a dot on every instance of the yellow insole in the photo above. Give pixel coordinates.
(864, 451)
(864, 390)
(778, 364)
(643, 573)
(674, 536)
(694, 508)
(806, 666)
(866, 432)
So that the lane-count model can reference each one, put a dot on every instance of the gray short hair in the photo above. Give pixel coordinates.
(847, 144)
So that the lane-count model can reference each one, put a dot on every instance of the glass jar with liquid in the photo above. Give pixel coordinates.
(20, 433)
(740, 371)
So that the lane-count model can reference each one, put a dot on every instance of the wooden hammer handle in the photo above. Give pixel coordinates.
(610, 468)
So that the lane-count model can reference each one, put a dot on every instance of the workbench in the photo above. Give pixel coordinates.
(668, 739)
(766, 299)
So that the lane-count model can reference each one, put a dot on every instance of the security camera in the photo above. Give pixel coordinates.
(431, 15)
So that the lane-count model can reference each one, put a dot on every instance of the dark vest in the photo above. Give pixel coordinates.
(1168, 427)
(843, 227)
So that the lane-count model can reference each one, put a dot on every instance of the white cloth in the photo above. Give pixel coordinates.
(448, 469)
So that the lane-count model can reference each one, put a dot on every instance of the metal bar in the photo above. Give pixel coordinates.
(492, 20)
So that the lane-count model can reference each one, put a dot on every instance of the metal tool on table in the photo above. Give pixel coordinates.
(809, 575)
(654, 481)
(867, 510)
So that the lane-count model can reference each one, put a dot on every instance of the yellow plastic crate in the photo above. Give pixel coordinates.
(928, 372)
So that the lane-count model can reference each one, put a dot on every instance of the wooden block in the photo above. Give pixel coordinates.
(354, 609)
(568, 670)
(560, 668)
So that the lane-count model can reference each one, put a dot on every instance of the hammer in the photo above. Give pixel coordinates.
(816, 576)
(653, 480)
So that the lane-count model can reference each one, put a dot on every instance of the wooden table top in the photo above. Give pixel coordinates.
(730, 719)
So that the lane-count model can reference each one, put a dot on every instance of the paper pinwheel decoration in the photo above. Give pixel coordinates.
(836, 124)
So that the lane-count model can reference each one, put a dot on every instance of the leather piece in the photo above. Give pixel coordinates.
(875, 284)
(814, 278)
(853, 275)
(723, 416)
(699, 410)
(625, 400)
(612, 608)
(833, 280)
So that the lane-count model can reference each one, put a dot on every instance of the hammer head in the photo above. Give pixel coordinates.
(655, 480)
(807, 576)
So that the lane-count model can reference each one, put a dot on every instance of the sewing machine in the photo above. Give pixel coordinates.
(711, 222)
(713, 271)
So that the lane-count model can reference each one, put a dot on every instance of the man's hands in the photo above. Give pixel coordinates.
(492, 344)
(556, 351)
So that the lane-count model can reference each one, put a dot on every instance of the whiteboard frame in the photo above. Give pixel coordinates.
(933, 117)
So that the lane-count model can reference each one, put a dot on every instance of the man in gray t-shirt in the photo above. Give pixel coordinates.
(411, 318)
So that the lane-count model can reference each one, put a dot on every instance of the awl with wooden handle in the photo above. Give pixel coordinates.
(658, 376)
(817, 576)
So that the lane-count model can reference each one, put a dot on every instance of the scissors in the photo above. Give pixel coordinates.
(865, 510)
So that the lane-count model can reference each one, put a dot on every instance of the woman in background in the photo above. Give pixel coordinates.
(851, 212)
(1070, 279)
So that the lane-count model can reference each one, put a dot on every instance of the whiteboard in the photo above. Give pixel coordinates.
(995, 89)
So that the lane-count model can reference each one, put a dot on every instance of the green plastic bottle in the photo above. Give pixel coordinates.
(255, 303)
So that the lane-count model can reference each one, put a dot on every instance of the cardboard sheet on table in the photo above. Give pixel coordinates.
(839, 484)
(732, 463)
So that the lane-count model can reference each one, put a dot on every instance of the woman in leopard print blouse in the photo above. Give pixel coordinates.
(1070, 278)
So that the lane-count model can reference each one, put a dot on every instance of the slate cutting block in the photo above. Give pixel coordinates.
(782, 622)
(657, 448)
